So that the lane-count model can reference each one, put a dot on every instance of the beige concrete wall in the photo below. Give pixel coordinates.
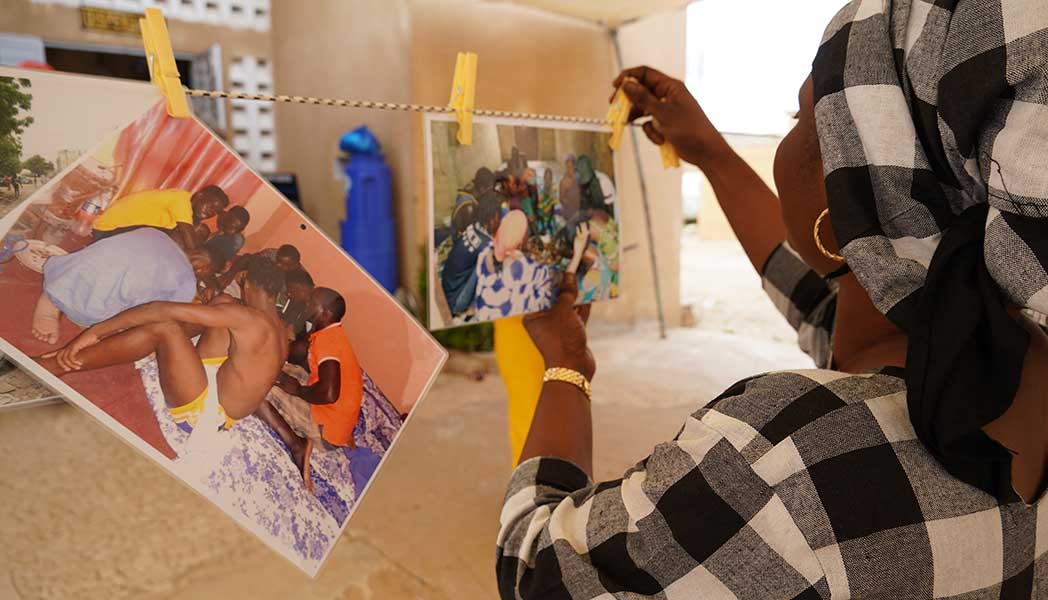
(659, 42)
(759, 154)
(533, 61)
(341, 49)
(62, 24)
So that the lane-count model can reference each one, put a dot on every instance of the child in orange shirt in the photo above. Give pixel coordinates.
(335, 387)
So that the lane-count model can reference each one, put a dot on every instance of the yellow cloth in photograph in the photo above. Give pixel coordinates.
(190, 414)
(163, 209)
(521, 367)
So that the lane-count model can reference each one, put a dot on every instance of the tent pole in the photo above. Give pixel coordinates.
(644, 199)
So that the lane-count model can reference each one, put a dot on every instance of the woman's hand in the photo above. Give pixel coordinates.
(578, 247)
(560, 332)
(68, 357)
(677, 117)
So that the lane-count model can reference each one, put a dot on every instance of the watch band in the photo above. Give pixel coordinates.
(566, 375)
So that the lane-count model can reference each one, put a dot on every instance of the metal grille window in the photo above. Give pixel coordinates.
(253, 134)
(237, 14)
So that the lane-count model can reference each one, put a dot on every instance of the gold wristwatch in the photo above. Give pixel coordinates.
(571, 376)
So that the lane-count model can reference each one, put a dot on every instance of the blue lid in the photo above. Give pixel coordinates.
(360, 141)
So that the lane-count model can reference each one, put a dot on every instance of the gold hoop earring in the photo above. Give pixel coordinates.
(818, 242)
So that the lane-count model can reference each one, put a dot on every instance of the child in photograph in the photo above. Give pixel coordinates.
(114, 274)
(170, 209)
(325, 410)
(510, 282)
(286, 257)
(206, 387)
(230, 236)
(459, 277)
(299, 291)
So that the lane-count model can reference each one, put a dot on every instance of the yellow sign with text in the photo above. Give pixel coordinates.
(113, 21)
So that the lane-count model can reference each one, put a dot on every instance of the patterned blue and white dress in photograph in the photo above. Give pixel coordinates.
(516, 286)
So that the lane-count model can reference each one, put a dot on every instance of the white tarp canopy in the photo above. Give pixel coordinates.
(610, 12)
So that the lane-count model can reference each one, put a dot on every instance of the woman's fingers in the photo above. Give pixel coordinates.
(648, 77)
(653, 133)
(584, 313)
(569, 292)
(642, 98)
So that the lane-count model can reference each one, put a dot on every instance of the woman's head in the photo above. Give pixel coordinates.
(584, 167)
(801, 188)
(511, 234)
(489, 211)
(569, 163)
(465, 212)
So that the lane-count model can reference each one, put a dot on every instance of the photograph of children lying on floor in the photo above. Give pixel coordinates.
(197, 314)
(43, 129)
(513, 211)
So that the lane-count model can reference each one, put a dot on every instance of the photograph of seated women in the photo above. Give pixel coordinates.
(189, 307)
(512, 213)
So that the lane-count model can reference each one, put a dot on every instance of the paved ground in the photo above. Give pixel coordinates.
(17, 387)
(85, 516)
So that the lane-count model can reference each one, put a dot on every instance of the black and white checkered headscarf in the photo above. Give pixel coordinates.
(933, 123)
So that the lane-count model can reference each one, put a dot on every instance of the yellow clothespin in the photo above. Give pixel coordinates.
(463, 93)
(670, 160)
(161, 60)
(619, 113)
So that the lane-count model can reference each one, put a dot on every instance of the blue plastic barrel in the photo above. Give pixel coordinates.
(368, 232)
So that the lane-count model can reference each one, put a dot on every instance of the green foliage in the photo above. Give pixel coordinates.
(14, 100)
(471, 338)
(38, 165)
(10, 150)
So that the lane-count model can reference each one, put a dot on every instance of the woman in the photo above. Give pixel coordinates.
(509, 282)
(590, 188)
(914, 468)
(569, 193)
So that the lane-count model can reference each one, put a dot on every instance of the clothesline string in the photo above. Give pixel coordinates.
(398, 106)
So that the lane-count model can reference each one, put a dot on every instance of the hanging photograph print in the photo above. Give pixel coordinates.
(512, 212)
(169, 291)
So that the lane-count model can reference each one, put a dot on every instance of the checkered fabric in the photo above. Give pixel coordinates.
(933, 125)
(925, 108)
(805, 484)
(807, 300)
